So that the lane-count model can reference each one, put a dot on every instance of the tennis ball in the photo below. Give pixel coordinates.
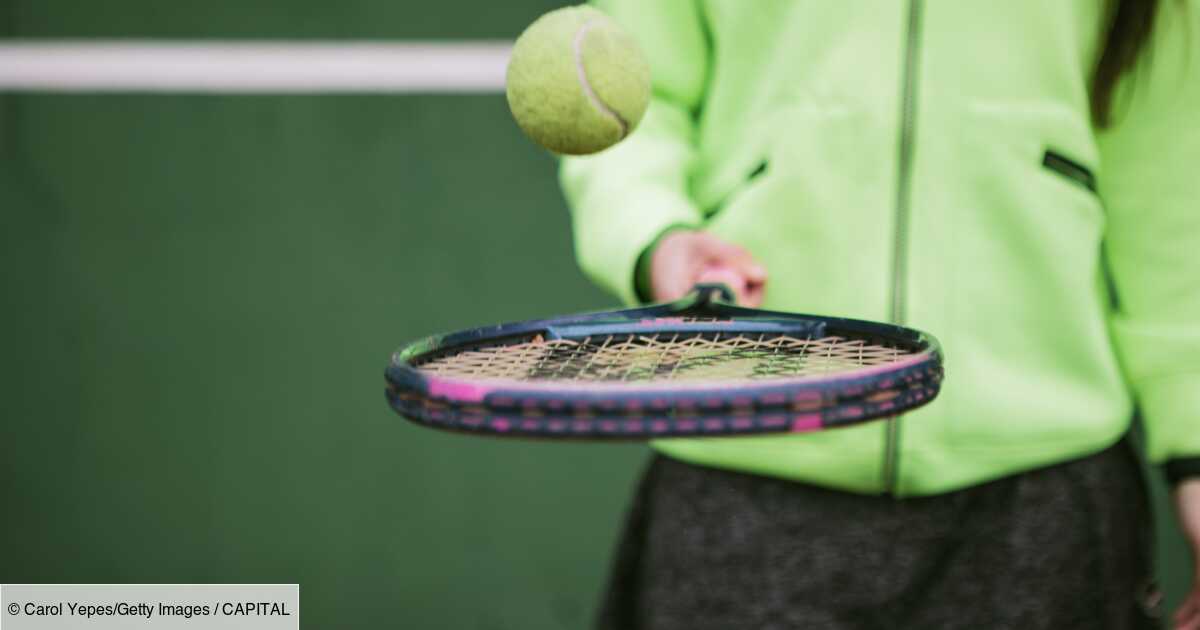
(576, 82)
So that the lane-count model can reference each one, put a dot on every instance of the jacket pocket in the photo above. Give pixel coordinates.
(1072, 170)
(757, 172)
(1027, 328)
(815, 214)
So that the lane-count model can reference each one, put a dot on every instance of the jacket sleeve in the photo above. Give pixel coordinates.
(623, 198)
(1151, 186)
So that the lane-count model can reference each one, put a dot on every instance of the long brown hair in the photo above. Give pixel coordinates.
(1127, 30)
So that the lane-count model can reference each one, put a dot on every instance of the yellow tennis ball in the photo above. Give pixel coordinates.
(577, 83)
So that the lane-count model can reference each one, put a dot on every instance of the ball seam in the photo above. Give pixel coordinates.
(577, 48)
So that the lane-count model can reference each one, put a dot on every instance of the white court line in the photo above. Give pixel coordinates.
(253, 66)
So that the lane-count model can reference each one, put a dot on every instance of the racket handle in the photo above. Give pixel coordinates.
(713, 292)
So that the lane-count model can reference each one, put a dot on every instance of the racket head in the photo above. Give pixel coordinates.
(697, 367)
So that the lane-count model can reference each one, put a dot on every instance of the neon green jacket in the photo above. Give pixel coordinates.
(930, 163)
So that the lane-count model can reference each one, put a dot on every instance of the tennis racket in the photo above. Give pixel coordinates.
(701, 366)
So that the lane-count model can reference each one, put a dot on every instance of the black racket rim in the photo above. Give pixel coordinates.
(707, 423)
(664, 408)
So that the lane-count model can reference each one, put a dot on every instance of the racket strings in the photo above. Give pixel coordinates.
(665, 357)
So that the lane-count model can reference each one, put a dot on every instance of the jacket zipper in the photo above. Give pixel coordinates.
(903, 200)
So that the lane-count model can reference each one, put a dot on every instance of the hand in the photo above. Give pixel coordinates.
(1187, 505)
(685, 258)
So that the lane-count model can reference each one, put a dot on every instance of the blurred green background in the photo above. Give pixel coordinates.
(201, 293)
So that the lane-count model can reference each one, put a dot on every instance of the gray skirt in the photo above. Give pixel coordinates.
(1062, 547)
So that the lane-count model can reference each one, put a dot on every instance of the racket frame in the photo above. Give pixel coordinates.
(633, 410)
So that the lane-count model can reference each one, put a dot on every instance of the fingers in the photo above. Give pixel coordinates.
(754, 295)
(751, 277)
(1188, 615)
(727, 276)
(684, 259)
(733, 256)
(1187, 506)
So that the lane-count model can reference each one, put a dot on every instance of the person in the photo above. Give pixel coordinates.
(1019, 179)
